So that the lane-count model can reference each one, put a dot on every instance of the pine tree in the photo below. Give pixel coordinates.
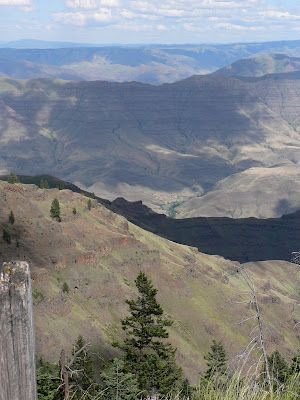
(118, 384)
(6, 236)
(74, 211)
(279, 369)
(11, 218)
(44, 184)
(82, 381)
(295, 365)
(65, 288)
(186, 390)
(48, 381)
(55, 210)
(147, 355)
(89, 204)
(216, 361)
(13, 178)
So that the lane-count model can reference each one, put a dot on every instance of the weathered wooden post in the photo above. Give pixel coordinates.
(17, 346)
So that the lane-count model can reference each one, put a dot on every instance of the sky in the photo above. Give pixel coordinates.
(150, 21)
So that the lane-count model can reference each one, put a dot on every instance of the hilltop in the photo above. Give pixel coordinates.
(261, 65)
(97, 254)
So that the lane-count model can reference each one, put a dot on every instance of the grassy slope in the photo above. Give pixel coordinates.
(98, 255)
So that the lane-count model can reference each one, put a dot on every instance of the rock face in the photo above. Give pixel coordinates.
(163, 144)
(17, 347)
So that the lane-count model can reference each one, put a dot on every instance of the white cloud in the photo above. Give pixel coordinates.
(161, 28)
(199, 16)
(15, 2)
(92, 4)
(280, 15)
(237, 27)
(134, 27)
(102, 16)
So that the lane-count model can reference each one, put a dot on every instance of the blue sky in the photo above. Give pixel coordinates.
(150, 21)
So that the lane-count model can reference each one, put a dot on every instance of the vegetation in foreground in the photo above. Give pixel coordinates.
(147, 367)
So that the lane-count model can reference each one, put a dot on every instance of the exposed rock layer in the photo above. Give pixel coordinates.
(160, 144)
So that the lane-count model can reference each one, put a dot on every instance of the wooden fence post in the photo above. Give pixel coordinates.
(17, 345)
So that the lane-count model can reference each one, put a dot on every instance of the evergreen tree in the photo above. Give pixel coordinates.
(216, 361)
(118, 384)
(48, 381)
(147, 355)
(65, 288)
(279, 369)
(186, 390)
(89, 204)
(295, 365)
(6, 236)
(55, 210)
(13, 178)
(11, 218)
(82, 379)
(74, 211)
(44, 184)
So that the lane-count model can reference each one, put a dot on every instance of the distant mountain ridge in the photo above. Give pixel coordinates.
(41, 44)
(155, 64)
(261, 65)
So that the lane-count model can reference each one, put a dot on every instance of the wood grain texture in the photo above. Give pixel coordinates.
(17, 345)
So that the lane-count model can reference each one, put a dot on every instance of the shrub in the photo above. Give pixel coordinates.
(13, 178)
(55, 210)
(6, 236)
(11, 218)
(65, 288)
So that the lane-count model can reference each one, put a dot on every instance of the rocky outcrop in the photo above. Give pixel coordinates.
(17, 347)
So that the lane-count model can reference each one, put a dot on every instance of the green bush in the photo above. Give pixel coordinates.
(65, 288)
(6, 236)
(55, 210)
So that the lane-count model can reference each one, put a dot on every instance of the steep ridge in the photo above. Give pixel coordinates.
(161, 144)
(98, 254)
(261, 65)
(243, 239)
(261, 192)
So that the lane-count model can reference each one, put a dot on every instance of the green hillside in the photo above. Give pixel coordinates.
(98, 254)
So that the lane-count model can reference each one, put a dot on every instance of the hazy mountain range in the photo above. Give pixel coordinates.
(154, 64)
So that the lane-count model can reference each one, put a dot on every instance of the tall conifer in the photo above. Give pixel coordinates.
(147, 354)
(55, 210)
